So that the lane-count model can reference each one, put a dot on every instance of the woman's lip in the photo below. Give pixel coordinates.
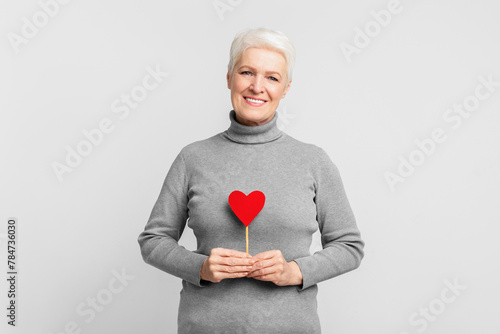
(254, 104)
(255, 98)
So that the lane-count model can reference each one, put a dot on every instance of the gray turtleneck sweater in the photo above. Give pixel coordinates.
(303, 192)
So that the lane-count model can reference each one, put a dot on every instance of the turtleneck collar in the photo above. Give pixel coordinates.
(258, 134)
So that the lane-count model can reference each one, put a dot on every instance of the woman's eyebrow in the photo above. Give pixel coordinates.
(253, 69)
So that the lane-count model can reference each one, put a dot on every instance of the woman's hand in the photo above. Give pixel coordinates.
(272, 266)
(225, 263)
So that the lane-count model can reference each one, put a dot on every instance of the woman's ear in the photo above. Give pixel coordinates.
(287, 88)
(228, 78)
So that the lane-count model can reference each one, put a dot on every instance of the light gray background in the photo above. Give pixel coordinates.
(439, 225)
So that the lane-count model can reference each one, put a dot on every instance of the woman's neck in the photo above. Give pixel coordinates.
(253, 134)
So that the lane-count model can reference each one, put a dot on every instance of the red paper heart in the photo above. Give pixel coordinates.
(246, 208)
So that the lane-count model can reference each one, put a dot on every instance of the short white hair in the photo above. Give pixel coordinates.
(262, 38)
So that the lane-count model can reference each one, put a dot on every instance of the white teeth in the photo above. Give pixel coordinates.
(254, 101)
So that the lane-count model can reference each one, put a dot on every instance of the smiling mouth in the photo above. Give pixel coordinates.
(254, 101)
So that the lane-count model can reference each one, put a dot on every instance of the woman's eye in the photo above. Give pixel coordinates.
(246, 73)
(273, 79)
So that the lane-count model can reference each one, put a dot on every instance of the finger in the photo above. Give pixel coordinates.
(235, 261)
(266, 255)
(267, 278)
(264, 264)
(232, 269)
(236, 275)
(220, 276)
(264, 272)
(231, 253)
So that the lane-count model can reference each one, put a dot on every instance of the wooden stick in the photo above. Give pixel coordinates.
(247, 239)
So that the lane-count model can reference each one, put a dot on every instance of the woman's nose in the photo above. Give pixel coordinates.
(257, 84)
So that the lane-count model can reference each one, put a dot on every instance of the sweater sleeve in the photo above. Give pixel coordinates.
(159, 240)
(342, 245)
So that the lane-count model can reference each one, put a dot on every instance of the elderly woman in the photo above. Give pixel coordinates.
(273, 289)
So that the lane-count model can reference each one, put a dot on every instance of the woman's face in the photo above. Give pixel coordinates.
(257, 84)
